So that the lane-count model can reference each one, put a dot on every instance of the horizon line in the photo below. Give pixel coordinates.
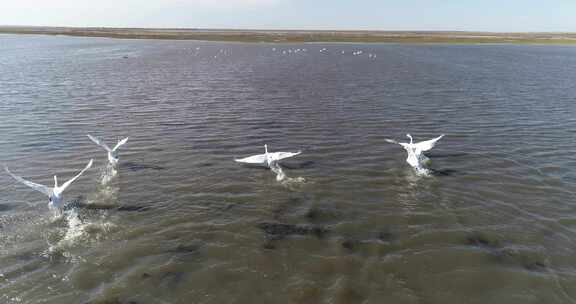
(285, 29)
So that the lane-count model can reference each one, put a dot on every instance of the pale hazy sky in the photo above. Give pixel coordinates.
(481, 15)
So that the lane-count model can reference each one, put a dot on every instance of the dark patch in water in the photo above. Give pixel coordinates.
(192, 248)
(269, 245)
(525, 260)
(146, 275)
(479, 240)
(281, 210)
(322, 214)
(536, 266)
(6, 207)
(350, 244)
(386, 236)
(279, 231)
(78, 204)
(444, 172)
(313, 214)
(445, 155)
(302, 165)
(173, 278)
(132, 166)
(278, 212)
(111, 301)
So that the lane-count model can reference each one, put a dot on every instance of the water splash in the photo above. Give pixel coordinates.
(107, 192)
(283, 178)
(75, 231)
(108, 174)
(419, 162)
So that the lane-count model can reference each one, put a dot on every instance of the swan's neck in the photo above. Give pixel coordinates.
(55, 182)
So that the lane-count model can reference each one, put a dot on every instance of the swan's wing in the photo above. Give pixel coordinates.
(254, 159)
(428, 144)
(66, 184)
(282, 155)
(120, 143)
(37, 187)
(99, 142)
(406, 146)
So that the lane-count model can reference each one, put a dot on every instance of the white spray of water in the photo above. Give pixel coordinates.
(77, 231)
(283, 178)
(108, 174)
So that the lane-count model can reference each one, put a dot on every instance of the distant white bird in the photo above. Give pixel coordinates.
(54, 194)
(267, 158)
(112, 153)
(416, 157)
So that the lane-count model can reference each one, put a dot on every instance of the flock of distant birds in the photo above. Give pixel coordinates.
(322, 50)
(293, 51)
(416, 159)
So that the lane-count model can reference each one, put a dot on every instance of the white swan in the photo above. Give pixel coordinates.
(267, 158)
(112, 153)
(416, 157)
(54, 194)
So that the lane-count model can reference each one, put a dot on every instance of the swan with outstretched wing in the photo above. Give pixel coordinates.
(112, 153)
(416, 157)
(54, 194)
(267, 158)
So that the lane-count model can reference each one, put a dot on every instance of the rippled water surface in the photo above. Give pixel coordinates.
(183, 223)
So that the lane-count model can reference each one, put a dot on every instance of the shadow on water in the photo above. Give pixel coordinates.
(274, 231)
(445, 155)
(504, 254)
(444, 172)
(300, 165)
(383, 237)
(133, 166)
(80, 204)
(6, 207)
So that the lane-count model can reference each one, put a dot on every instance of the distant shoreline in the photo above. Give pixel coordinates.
(299, 36)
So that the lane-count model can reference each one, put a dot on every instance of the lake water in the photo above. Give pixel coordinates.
(183, 223)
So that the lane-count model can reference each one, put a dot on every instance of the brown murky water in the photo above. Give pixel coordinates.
(183, 223)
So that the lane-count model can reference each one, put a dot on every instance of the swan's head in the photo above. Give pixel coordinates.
(409, 136)
(266, 148)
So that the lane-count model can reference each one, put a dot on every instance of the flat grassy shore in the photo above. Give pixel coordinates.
(297, 36)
